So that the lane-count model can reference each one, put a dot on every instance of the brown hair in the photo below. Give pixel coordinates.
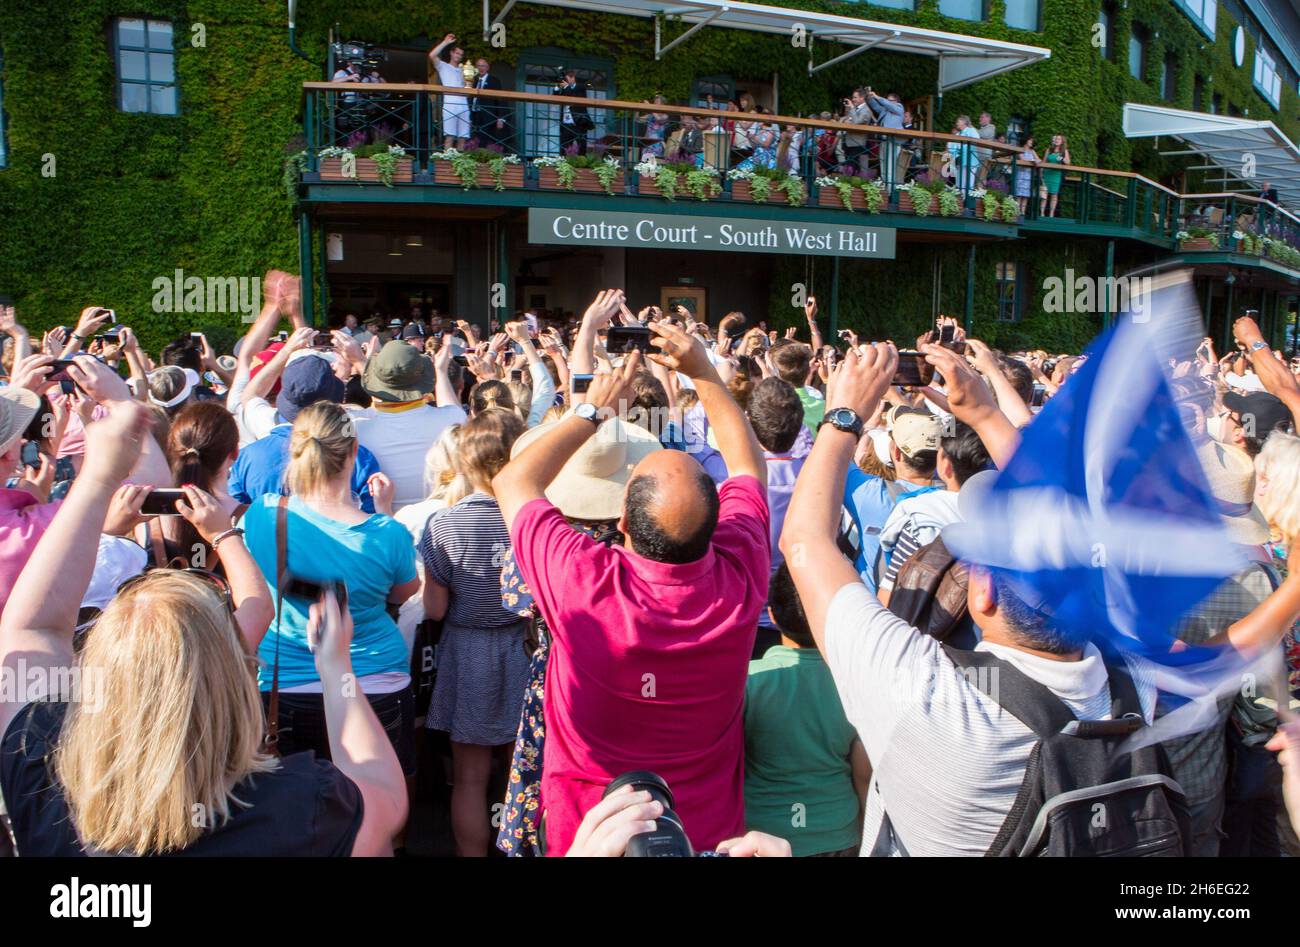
(203, 436)
(484, 442)
(791, 361)
(490, 394)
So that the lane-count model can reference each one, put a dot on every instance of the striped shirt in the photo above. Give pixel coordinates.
(464, 548)
(947, 761)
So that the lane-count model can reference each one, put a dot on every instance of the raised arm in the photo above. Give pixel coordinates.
(971, 401)
(808, 539)
(1276, 377)
(10, 326)
(583, 358)
(38, 619)
(260, 386)
(739, 447)
(527, 476)
(810, 312)
(1009, 400)
(359, 747)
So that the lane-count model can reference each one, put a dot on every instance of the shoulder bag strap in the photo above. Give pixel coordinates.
(281, 568)
(1030, 702)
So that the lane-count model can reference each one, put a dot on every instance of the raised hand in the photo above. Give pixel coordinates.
(861, 380)
(602, 308)
(680, 351)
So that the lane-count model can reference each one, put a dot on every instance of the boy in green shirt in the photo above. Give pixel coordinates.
(806, 772)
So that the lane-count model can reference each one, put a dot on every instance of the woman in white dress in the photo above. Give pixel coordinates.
(455, 108)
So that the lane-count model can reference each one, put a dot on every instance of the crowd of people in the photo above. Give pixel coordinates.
(637, 583)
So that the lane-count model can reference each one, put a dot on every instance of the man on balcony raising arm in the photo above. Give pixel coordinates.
(651, 636)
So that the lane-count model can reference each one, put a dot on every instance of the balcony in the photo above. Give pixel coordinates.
(794, 174)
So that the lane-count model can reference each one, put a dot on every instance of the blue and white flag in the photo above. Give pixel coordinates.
(1103, 518)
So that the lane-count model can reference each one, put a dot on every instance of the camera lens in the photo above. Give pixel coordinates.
(668, 840)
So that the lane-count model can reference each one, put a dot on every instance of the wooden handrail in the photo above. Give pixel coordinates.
(362, 88)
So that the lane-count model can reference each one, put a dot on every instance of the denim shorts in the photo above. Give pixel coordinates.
(302, 724)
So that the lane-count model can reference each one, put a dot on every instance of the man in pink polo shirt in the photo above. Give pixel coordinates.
(651, 638)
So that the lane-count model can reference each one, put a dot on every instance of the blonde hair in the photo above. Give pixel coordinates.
(180, 723)
(321, 447)
(442, 478)
(1277, 484)
(484, 445)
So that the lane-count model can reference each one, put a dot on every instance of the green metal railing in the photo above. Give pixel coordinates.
(365, 118)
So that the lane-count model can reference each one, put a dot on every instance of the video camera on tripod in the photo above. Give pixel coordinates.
(362, 55)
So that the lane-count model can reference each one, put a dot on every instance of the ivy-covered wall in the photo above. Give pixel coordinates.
(131, 197)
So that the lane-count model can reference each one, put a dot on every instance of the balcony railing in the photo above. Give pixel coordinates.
(834, 162)
(1239, 223)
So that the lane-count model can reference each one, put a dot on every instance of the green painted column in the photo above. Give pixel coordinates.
(305, 267)
(506, 308)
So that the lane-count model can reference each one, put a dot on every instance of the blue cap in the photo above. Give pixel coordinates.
(305, 381)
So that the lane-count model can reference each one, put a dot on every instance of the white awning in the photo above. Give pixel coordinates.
(962, 59)
(1233, 145)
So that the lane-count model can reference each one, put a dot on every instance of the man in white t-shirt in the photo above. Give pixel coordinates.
(455, 108)
(947, 759)
(401, 425)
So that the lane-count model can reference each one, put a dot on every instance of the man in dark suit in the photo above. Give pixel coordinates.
(489, 116)
(1268, 192)
(574, 121)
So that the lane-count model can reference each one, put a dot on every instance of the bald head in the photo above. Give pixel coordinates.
(670, 509)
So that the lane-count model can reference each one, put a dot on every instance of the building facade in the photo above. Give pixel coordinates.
(171, 140)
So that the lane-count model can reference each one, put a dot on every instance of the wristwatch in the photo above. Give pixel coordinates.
(588, 412)
(1258, 344)
(843, 419)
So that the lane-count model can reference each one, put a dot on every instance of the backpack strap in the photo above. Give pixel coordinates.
(1030, 702)
(281, 571)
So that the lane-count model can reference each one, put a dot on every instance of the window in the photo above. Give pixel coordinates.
(1169, 78)
(1137, 52)
(1201, 12)
(541, 73)
(1023, 14)
(1268, 82)
(1106, 32)
(1198, 94)
(1008, 275)
(963, 9)
(894, 4)
(1017, 129)
(146, 66)
(721, 88)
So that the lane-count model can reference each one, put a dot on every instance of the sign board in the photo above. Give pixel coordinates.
(585, 228)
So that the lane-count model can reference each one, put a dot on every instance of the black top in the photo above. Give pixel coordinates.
(305, 807)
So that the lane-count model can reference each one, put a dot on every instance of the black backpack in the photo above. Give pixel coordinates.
(1081, 796)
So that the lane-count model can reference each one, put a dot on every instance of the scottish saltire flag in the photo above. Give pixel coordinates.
(1103, 518)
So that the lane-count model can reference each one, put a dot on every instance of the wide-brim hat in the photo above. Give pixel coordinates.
(400, 372)
(591, 485)
(17, 408)
(1231, 475)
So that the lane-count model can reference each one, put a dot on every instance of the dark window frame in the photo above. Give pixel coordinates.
(148, 51)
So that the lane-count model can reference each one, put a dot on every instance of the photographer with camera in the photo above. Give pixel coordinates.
(634, 814)
(574, 120)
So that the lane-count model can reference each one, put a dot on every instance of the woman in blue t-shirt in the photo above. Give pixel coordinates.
(330, 539)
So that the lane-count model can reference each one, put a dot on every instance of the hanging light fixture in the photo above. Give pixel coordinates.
(415, 240)
(394, 246)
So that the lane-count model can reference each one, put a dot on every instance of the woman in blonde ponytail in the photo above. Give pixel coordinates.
(330, 539)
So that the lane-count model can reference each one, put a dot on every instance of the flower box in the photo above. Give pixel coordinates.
(331, 169)
(512, 175)
(905, 202)
(830, 197)
(584, 180)
(1196, 243)
(647, 185)
(742, 190)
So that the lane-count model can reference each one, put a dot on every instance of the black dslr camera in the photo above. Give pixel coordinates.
(668, 840)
